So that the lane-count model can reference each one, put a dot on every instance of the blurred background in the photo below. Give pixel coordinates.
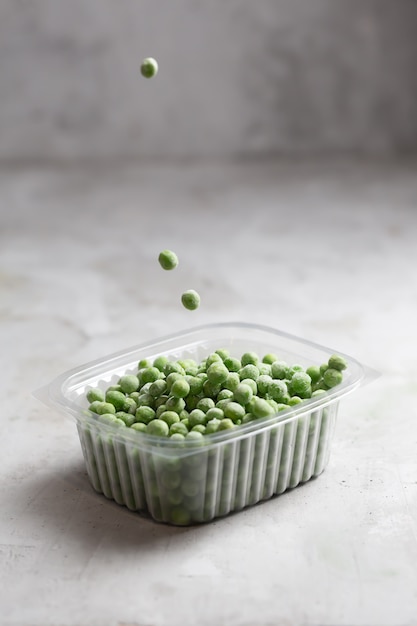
(237, 78)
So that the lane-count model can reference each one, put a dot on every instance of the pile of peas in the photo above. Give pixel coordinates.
(184, 399)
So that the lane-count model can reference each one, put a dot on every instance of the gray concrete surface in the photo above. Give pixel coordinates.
(236, 77)
(326, 251)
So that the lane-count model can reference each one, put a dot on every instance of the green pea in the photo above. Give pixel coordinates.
(197, 417)
(183, 414)
(191, 402)
(160, 362)
(217, 373)
(314, 372)
(332, 377)
(135, 395)
(109, 418)
(301, 385)
(180, 388)
(249, 358)
(114, 388)
(96, 403)
(318, 392)
(170, 417)
(190, 299)
(159, 401)
(261, 408)
(234, 411)
(280, 369)
(263, 383)
(269, 358)
(323, 368)
(233, 364)
(149, 375)
(210, 389)
(199, 428)
(145, 414)
(224, 394)
(196, 384)
(175, 404)
(139, 426)
(144, 363)
(158, 388)
(264, 369)
(223, 354)
(127, 418)
(337, 362)
(249, 371)
(186, 422)
(205, 404)
(116, 398)
(129, 383)
(194, 435)
(177, 437)
(178, 428)
(221, 404)
(145, 399)
(212, 426)
(215, 413)
(103, 408)
(243, 394)
(226, 424)
(232, 381)
(149, 67)
(278, 390)
(173, 367)
(248, 417)
(158, 428)
(168, 260)
(251, 383)
(95, 395)
(129, 406)
(294, 400)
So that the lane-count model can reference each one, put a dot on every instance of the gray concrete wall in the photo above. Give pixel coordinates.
(237, 77)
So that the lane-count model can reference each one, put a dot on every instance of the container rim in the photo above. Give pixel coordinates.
(53, 394)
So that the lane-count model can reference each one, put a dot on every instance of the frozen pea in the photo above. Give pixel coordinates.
(263, 383)
(135, 395)
(264, 369)
(104, 408)
(273, 404)
(269, 358)
(183, 414)
(280, 369)
(233, 364)
(129, 383)
(175, 404)
(190, 299)
(232, 381)
(318, 392)
(161, 400)
(199, 428)
(248, 417)
(202, 375)
(186, 422)
(197, 417)
(215, 413)
(251, 383)
(145, 414)
(242, 394)
(95, 395)
(196, 384)
(294, 400)
(234, 411)
(278, 390)
(158, 428)
(144, 363)
(249, 358)
(171, 378)
(144, 388)
(337, 362)
(179, 437)
(180, 388)
(296, 368)
(127, 418)
(281, 406)
(332, 377)
(173, 367)
(149, 375)
(217, 373)
(261, 408)
(323, 368)
(212, 426)
(205, 404)
(139, 426)
(158, 388)
(110, 418)
(225, 394)
(223, 353)
(194, 435)
(149, 67)
(159, 362)
(191, 402)
(168, 260)
(226, 424)
(93, 406)
(116, 398)
(129, 406)
(314, 372)
(114, 388)
(210, 389)
(221, 404)
(249, 371)
(213, 357)
(170, 417)
(301, 385)
(178, 428)
(145, 399)
(161, 408)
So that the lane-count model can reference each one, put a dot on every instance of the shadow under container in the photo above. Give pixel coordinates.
(186, 483)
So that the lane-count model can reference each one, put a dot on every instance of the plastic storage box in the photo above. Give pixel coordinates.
(191, 482)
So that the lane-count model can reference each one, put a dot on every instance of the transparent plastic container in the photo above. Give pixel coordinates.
(193, 482)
